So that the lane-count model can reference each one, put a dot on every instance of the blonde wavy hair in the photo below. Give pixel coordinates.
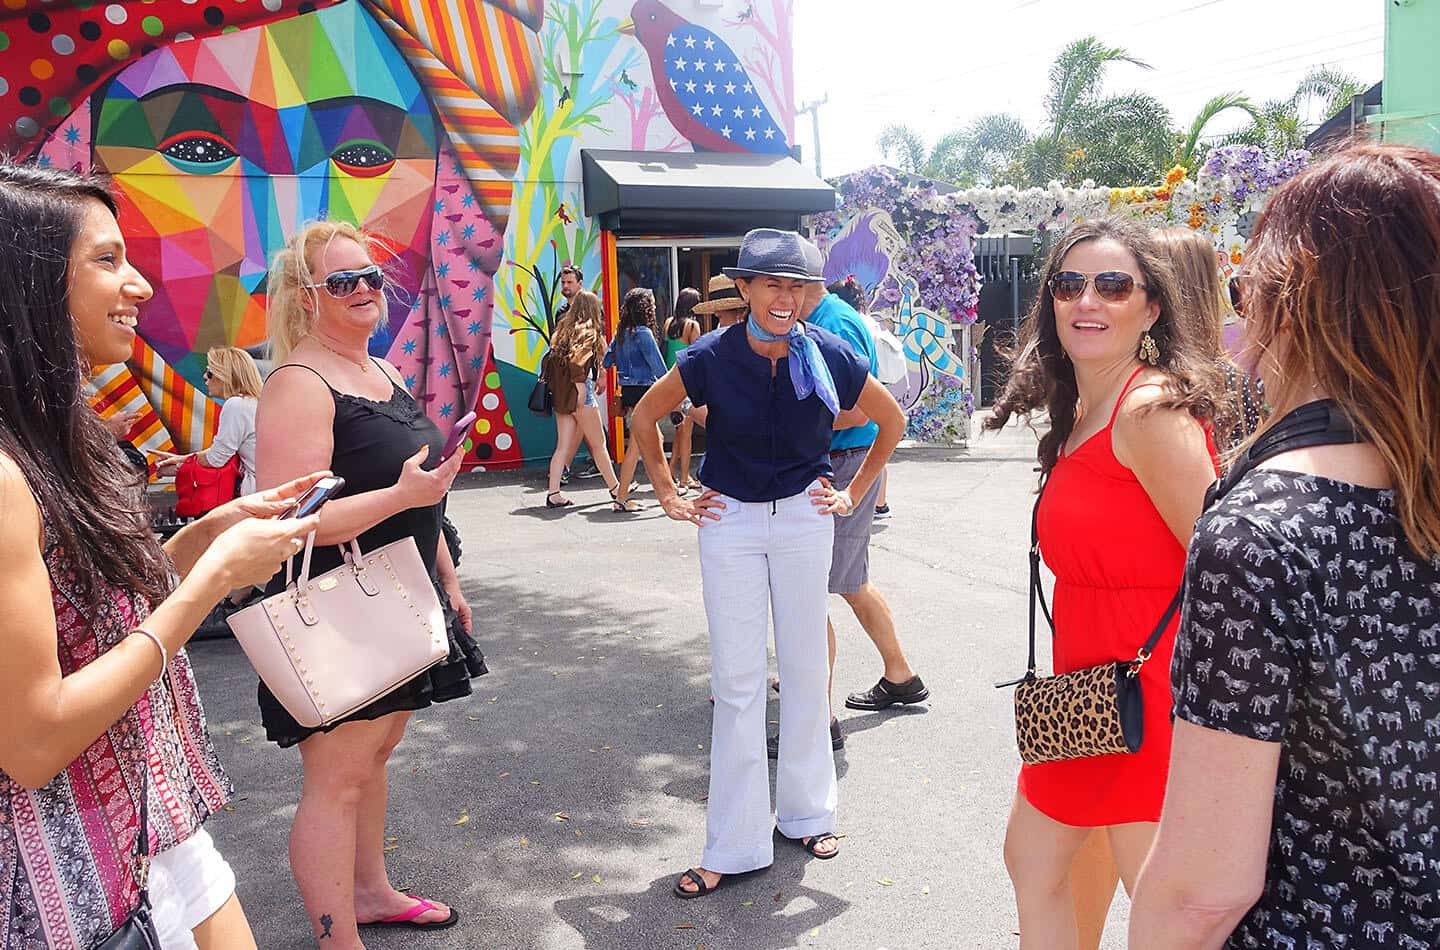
(235, 369)
(292, 270)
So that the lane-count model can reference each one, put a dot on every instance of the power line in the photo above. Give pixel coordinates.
(1316, 59)
(1250, 61)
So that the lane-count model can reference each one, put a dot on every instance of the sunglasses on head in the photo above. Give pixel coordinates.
(1112, 286)
(343, 283)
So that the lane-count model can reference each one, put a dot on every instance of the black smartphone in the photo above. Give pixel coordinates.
(319, 493)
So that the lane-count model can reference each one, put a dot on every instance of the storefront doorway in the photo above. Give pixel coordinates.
(665, 265)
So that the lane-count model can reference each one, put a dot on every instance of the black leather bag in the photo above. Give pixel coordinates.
(1100, 710)
(542, 401)
(138, 931)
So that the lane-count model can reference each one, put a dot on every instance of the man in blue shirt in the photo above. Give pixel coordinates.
(850, 562)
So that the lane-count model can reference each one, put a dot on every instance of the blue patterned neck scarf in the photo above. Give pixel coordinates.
(808, 370)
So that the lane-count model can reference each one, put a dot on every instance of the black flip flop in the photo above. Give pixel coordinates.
(701, 887)
(811, 842)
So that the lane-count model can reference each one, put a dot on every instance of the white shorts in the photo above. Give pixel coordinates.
(188, 884)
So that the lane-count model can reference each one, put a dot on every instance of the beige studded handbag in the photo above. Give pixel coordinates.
(328, 645)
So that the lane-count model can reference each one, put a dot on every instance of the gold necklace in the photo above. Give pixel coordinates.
(364, 367)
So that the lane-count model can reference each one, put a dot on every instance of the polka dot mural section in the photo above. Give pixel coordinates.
(57, 53)
(493, 444)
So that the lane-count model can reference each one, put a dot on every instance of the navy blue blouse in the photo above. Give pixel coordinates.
(763, 444)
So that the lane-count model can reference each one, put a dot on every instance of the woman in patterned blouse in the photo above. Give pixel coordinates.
(102, 719)
(1301, 808)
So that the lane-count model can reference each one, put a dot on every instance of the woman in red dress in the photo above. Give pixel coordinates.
(1128, 457)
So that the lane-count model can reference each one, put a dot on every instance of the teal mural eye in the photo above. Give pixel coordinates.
(198, 152)
(363, 158)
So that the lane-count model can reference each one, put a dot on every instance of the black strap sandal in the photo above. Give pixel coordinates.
(550, 501)
(813, 842)
(694, 877)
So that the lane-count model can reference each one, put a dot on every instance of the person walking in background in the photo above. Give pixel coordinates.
(329, 403)
(1126, 462)
(728, 308)
(1301, 809)
(636, 357)
(103, 734)
(681, 330)
(850, 559)
(572, 281)
(774, 389)
(232, 377)
(1204, 303)
(850, 291)
(572, 368)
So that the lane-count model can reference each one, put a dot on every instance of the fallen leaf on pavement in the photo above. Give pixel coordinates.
(464, 818)
(684, 926)
(561, 816)
(885, 882)
(577, 875)
(596, 879)
(747, 903)
(925, 891)
(524, 842)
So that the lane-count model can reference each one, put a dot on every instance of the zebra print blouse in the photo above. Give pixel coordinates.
(1309, 622)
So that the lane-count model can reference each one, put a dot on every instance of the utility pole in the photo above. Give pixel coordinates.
(814, 109)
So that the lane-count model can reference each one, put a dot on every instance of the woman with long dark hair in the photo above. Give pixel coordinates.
(103, 731)
(681, 330)
(1302, 806)
(637, 359)
(1126, 462)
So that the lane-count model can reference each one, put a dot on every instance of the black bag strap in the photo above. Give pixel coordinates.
(1315, 423)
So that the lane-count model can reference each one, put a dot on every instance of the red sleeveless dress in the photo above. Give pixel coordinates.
(1117, 566)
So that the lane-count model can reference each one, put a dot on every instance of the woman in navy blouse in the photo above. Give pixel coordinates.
(775, 391)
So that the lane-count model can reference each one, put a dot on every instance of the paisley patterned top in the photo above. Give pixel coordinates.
(1309, 622)
(67, 850)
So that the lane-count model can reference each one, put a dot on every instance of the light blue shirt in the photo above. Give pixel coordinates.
(841, 319)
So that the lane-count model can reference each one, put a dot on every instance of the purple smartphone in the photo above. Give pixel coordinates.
(457, 435)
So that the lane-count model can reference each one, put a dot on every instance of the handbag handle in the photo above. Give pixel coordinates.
(303, 607)
(1314, 423)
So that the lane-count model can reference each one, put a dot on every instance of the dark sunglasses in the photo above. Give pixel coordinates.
(343, 283)
(1112, 286)
(208, 375)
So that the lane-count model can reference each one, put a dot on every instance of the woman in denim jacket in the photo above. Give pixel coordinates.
(636, 357)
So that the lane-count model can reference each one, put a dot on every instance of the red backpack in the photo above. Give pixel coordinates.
(199, 488)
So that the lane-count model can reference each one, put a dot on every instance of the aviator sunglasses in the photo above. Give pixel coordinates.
(1112, 286)
(343, 283)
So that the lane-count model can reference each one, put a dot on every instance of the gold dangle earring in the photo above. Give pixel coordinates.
(1149, 350)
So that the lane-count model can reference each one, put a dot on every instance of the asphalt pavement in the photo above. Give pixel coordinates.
(555, 807)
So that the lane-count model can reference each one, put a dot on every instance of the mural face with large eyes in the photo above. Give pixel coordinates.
(221, 148)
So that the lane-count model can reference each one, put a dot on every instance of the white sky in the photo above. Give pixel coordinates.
(936, 64)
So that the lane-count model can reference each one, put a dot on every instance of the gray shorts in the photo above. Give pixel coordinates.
(850, 557)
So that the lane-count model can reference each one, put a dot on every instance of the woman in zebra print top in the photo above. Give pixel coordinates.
(1301, 805)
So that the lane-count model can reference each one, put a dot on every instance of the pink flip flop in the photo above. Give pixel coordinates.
(406, 918)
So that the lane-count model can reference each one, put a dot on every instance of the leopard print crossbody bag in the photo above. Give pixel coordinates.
(1100, 710)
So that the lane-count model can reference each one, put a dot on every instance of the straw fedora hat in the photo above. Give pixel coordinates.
(722, 294)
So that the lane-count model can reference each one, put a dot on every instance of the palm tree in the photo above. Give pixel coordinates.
(1189, 153)
(1090, 135)
(975, 155)
(1281, 124)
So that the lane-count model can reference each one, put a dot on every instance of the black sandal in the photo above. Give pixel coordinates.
(551, 503)
(701, 887)
(615, 492)
(812, 843)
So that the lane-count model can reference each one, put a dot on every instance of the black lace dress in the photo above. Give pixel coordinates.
(372, 441)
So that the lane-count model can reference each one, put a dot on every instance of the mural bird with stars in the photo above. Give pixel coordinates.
(705, 91)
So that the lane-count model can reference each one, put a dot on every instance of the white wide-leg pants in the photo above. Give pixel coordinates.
(763, 556)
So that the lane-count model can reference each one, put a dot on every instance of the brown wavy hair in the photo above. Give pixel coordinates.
(1041, 377)
(1341, 292)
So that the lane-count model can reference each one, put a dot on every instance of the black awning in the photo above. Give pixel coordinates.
(698, 192)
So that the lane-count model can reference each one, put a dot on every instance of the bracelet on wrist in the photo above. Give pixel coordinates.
(164, 654)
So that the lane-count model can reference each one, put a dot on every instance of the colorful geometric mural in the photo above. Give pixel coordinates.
(451, 129)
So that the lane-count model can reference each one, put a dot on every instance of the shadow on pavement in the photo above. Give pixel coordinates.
(543, 806)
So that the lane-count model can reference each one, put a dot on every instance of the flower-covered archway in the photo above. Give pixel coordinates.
(910, 243)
